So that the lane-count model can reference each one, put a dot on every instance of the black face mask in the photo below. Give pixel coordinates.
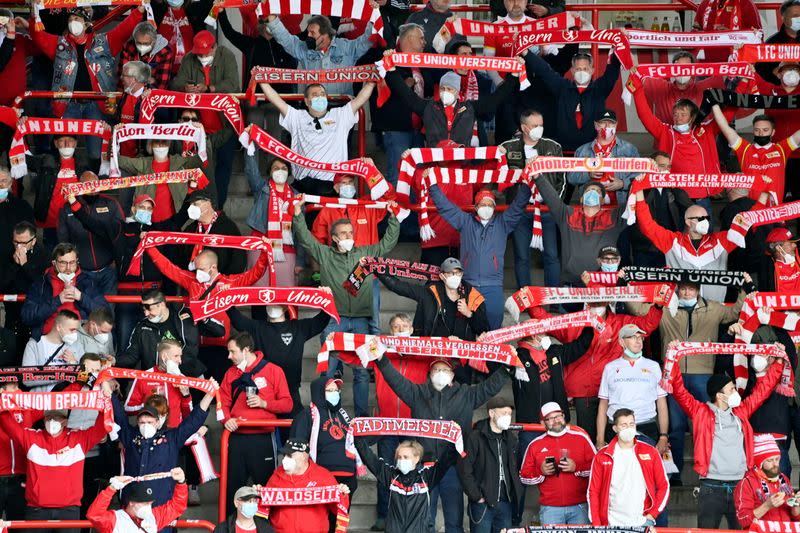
(762, 140)
(311, 43)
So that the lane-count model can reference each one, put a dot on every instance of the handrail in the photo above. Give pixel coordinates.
(223, 458)
(110, 298)
(85, 524)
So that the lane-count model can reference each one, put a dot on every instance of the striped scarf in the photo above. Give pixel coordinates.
(279, 221)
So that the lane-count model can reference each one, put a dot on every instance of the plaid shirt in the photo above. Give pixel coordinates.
(160, 64)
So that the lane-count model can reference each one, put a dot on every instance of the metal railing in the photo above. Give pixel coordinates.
(85, 524)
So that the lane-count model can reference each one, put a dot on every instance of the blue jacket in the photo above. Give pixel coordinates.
(40, 304)
(341, 53)
(158, 454)
(621, 149)
(483, 248)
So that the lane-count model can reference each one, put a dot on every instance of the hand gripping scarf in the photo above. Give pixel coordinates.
(391, 267)
(527, 297)
(113, 184)
(323, 202)
(254, 136)
(38, 5)
(695, 70)
(529, 328)
(169, 132)
(740, 351)
(311, 297)
(227, 104)
(749, 219)
(160, 238)
(306, 496)
(753, 313)
(55, 126)
(90, 400)
(271, 75)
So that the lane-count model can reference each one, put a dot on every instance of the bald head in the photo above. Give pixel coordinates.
(697, 221)
(206, 259)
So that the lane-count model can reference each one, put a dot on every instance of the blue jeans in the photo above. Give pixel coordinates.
(678, 421)
(386, 447)
(223, 169)
(87, 110)
(449, 489)
(521, 239)
(493, 295)
(569, 514)
(352, 324)
(485, 519)
(394, 144)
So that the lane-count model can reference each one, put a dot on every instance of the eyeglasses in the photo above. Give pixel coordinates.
(147, 307)
(553, 418)
(17, 243)
(189, 119)
(637, 337)
(699, 219)
(66, 263)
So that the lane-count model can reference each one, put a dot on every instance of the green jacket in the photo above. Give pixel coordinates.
(139, 166)
(335, 267)
(224, 73)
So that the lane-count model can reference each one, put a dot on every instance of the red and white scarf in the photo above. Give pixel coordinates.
(469, 91)
(60, 4)
(773, 526)
(323, 202)
(661, 180)
(112, 184)
(88, 400)
(168, 132)
(152, 239)
(226, 104)
(202, 456)
(313, 440)
(279, 221)
(616, 39)
(368, 348)
(758, 53)
(454, 62)
(744, 221)
(446, 430)
(311, 297)
(306, 496)
(740, 352)
(172, 28)
(753, 315)
(528, 297)
(695, 70)
(15, 374)
(254, 136)
(704, 39)
(55, 126)
(359, 74)
(581, 319)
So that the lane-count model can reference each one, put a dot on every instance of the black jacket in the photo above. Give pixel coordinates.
(12, 211)
(752, 258)
(531, 395)
(592, 101)
(479, 470)
(229, 525)
(394, 115)
(455, 402)
(141, 348)
(94, 225)
(409, 494)
(430, 318)
(773, 416)
(466, 113)
(515, 156)
(283, 344)
(17, 279)
(230, 260)
(667, 208)
(333, 427)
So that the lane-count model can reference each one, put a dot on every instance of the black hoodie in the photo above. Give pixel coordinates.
(333, 425)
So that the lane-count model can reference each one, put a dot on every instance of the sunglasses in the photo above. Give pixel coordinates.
(147, 307)
(699, 219)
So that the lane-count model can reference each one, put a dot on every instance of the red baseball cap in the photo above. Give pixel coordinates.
(440, 360)
(338, 382)
(143, 198)
(484, 194)
(204, 41)
(780, 235)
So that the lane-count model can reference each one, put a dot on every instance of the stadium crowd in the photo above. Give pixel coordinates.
(669, 289)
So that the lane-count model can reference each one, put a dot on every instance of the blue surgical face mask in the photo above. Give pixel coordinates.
(319, 103)
(609, 267)
(591, 198)
(632, 355)
(175, 3)
(143, 217)
(687, 303)
(3, 194)
(332, 397)
(249, 509)
(682, 128)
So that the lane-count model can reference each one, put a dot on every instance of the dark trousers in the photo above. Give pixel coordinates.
(216, 360)
(586, 413)
(386, 448)
(104, 279)
(189, 466)
(251, 456)
(714, 502)
(352, 484)
(60, 513)
(12, 497)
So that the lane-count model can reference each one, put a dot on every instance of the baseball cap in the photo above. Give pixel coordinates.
(450, 79)
(143, 198)
(780, 235)
(450, 264)
(629, 330)
(441, 360)
(338, 382)
(786, 64)
(497, 402)
(204, 41)
(245, 493)
(484, 195)
(609, 250)
(549, 408)
(82, 12)
(148, 410)
(138, 492)
(294, 445)
(608, 114)
(200, 194)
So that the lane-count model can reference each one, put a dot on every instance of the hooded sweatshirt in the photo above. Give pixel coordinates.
(302, 518)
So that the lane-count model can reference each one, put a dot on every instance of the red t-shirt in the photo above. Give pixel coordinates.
(164, 207)
(502, 45)
(240, 529)
(787, 276)
(210, 119)
(767, 160)
(579, 111)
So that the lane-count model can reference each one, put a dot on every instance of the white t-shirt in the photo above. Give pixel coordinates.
(323, 139)
(627, 492)
(632, 384)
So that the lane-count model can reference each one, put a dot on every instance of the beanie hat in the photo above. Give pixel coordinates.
(764, 447)
(716, 383)
(452, 80)
(484, 194)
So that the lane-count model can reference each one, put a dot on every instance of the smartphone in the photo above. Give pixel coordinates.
(550, 460)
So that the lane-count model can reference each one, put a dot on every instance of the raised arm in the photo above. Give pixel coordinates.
(487, 104)
(513, 214)
(275, 99)
(551, 198)
(291, 43)
(362, 97)
(169, 269)
(554, 82)
(398, 87)
(729, 133)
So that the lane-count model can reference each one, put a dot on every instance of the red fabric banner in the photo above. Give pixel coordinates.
(454, 62)
(616, 39)
(769, 53)
(770, 215)
(90, 400)
(409, 427)
(312, 297)
(285, 497)
(226, 104)
(112, 184)
(674, 70)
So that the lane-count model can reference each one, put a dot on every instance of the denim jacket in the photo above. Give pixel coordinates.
(621, 149)
(341, 53)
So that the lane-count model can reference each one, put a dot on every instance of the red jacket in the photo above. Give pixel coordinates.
(179, 405)
(55, 464)
(188, 281)
(749, 494)
(302, 518)
(272, 387)
(414, 369)
(365, 223)
(582, 378)
(12, 455)
(564, 489)
(703, 416)
(655, 479)
(106, 521)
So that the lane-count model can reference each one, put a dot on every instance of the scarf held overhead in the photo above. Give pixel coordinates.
(710, 39)
(454, 62)
(55, 126)
(226, 104)
(446, 430)
(311, 297)
(639, 274)
(581, 319)
(744, 221)
(725, 98)
(271, 75)
(758, 53)
(112, 184)
(169, 132)
(291, 497)
(91, 400)
(323, 202)
(254, 136)
(391, 267)
(152, 239)
(614, 38)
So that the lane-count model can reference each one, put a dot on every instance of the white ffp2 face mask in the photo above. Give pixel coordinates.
(582, 77)
(440, 380)
(161, 152)
(702, 227)
(193, 212)
(147, 431)
(759, 363)
(447, 98)
(53, 427)
(503, 422)
(485, 212)
(202, 276)
(453, 282)
(66, 152)
(289, 464)
(627, 434)
(76, 28)
(405, 466)
(346, 244)
(280, 176)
